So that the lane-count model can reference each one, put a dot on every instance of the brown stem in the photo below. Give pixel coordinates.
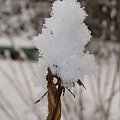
(54, 94)
(56, 101)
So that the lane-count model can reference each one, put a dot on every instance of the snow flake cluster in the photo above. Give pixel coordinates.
(61, 44)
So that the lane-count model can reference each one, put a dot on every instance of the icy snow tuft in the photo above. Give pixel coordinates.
(62, 42)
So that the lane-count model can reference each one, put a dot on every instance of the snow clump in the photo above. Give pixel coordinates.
(61, 44)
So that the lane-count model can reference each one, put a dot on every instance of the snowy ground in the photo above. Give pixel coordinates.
(16, 41)
(17, 97)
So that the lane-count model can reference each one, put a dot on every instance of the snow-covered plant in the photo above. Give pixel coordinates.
(61, 45)
(62, 42)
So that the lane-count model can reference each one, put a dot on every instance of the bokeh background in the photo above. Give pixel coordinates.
(20, 20)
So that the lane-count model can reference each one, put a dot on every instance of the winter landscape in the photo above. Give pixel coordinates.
(59, 59)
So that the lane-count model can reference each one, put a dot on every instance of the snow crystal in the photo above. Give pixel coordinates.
(61, 44)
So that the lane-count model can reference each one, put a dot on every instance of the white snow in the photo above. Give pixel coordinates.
(16, 41)
(17, 91)
(62, 42)
(15, 70)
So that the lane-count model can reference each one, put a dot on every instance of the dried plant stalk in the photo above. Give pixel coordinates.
(54, 102)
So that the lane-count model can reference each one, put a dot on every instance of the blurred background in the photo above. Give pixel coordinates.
(20, 20)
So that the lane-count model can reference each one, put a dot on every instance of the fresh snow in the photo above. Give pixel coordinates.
(17, 91)
(18, 70)
(62, 42)
(18, 42)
